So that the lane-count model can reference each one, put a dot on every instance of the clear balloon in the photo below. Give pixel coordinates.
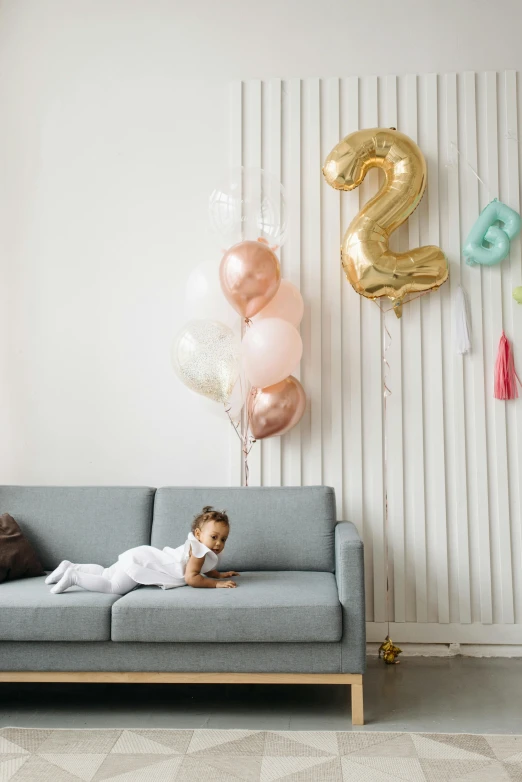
(206, 358)
(277, 409)
(203, 295)
(249, 203)
(287, 304)
(272, 349)
(250, 276)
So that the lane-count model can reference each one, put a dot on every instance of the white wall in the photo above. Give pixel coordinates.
(113, 126)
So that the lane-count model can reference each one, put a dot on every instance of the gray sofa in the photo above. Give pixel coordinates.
(296, 616)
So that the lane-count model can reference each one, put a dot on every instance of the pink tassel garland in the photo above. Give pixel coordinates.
(505, 375)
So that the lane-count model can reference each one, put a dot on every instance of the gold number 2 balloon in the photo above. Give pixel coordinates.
(370, 266)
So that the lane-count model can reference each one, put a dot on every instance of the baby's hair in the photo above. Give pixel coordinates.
(209, 514)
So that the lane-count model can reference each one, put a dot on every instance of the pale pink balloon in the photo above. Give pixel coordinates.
(287, 304)
(250, 275)
(275, 410)
(272, 349)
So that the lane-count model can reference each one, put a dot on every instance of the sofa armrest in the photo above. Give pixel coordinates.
(349, 574)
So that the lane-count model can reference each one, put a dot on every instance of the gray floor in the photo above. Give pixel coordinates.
(458, 695)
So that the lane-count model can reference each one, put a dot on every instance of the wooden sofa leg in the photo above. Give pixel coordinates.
(357, 703)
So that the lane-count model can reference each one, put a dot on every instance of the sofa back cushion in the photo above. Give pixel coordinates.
(91, 524)
(271, 528)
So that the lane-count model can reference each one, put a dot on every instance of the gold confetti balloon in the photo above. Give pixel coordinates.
(205, 357)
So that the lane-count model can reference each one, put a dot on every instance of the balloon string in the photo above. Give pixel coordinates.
(403, 303)
(510, 136)
(466, 161)
(386, 365)
(244, 417)
(386, 392)
(247, 441)
(242, 427)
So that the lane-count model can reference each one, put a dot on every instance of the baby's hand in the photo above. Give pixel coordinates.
(225, 584)
(229, 573)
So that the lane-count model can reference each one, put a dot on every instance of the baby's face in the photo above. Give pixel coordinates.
(213, 535)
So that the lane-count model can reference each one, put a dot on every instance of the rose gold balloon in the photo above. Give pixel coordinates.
(250, 275)
(276, 409)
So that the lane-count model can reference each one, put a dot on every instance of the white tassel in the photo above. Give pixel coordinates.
(461, 328)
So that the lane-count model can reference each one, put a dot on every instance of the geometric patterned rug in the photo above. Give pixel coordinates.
(36, 755)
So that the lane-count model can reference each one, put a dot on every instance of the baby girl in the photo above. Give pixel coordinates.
(166, 568)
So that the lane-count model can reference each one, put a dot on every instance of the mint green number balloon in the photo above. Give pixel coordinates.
(486, 230)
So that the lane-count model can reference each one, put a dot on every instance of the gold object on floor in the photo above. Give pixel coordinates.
(389, 652)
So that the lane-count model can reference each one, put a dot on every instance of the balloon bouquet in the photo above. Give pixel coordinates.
(245, 364)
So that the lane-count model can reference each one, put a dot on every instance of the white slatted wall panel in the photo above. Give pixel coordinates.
(452, 467)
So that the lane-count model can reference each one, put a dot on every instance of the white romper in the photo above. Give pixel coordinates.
(165, 567)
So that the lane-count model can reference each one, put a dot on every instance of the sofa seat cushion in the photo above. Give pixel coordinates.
(29, 612)
(287, 606)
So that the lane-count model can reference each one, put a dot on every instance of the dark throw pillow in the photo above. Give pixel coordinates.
(18, 558)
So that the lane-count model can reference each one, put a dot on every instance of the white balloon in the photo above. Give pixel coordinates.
(204, 298)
